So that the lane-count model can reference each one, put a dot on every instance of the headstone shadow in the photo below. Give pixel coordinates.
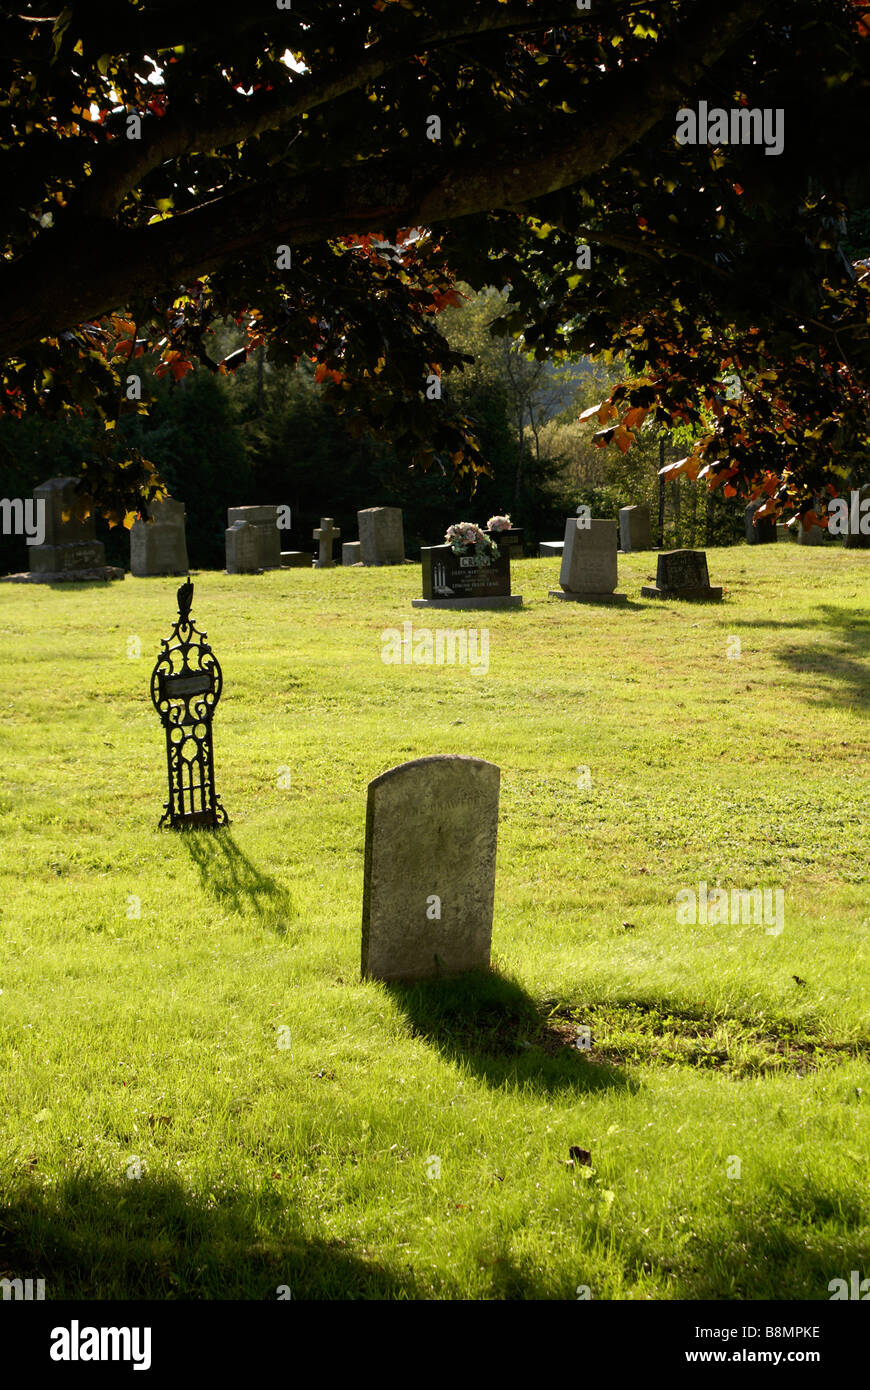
(234, 880)
(487, 1023)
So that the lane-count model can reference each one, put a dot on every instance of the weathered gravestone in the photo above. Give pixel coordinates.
(381, 536)
(784, 532)
(759, 532)
(263, 522)
(296, 560)
(634, 528)
(71, 549)
(159, 546)
(588, 572)
(682, 574)
(243, 548)
(350, 553)
(465, 580)
(548, 548)
(325, 533)
(431, 833)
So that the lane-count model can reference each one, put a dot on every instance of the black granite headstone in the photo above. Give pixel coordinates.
(682, 574)
(448, 575)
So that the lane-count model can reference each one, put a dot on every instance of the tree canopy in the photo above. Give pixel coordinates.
(323, 175)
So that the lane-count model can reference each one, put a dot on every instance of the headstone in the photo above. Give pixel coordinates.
(325, 533)
(511, 540)
(814, 535)
(682, 574)
(634, 528)
(243, 548)
(159, 546)
(548, 548)
(350, 553)
(465, 580)
(264, 524)
(71, 548)
(296, 560)
(588, 570)
(784, 532)
(759, 532)
(431, 832)
(381, 536)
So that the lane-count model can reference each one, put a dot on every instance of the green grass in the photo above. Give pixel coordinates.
(156, 1038)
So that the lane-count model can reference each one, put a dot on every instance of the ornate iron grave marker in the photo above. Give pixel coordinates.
(185, 688)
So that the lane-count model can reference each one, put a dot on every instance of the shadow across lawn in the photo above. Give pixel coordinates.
(489, 1024)
(235, 882)
(842, 658)
(90, 1238)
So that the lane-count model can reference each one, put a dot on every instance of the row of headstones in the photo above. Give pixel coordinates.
(633, 529)
(253, 541)
(588, 572)
(159, 546)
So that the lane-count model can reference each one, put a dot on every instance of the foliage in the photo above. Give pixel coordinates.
(169, 167)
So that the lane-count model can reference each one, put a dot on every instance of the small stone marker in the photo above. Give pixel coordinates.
(296, 560)
(159, 546)
(381, 536)
(264, 525)
(243, 549)
(467, 580)
(784, 532)
(588, 572)
(350, 553)
(71, 550)
(431, 833)
(548, 548)
(759, 532)
(325, 533)
(634, 528)
(682, 574)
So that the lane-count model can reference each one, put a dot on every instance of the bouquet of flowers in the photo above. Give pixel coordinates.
(465, 534)
(498, 523)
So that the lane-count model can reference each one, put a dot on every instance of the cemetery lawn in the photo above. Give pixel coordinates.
(725, 1098)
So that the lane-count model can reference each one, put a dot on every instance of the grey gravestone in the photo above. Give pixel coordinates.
(263, 522)
(634, 528)
(466, 580)
(431, 834)
(682, 574)
(815, 535)
(588, 570)
(325, 533)
(855, 539)
(784, 532)
(296, 560)
(350, 553)
(759, 532)
(159, 546)
(548, 548)
(243, 548)
(381, 536)
(70, 547)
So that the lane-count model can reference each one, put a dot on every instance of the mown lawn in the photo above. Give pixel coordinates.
(149, 1044)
